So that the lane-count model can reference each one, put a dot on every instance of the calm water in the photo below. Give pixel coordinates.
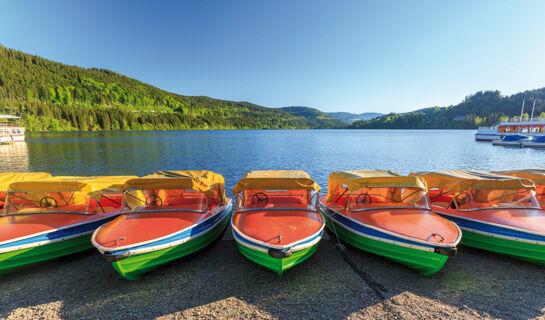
(232, 153)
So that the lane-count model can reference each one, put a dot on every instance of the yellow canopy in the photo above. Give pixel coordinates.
(536, 175)
(275, 180)
(67, 183)
(8, 178)
(199, 180)
(358, 179)
(463, 180)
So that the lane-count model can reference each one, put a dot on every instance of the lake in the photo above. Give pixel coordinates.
(234, 152)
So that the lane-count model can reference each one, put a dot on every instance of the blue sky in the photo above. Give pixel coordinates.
(353, 56)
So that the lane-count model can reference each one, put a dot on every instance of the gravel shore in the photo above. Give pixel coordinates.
(219, 283)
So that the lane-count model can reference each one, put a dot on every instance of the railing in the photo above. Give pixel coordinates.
(10, 124)
(516, 119)
(512, 120)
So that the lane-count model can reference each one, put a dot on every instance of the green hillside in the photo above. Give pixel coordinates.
(483, 108)
(315, 118)
(52, 96)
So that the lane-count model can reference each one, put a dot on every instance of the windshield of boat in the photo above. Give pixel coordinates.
(486, 199)
(540, 193)
(299, 199)
(381, 198)
(31, 202)
(138, 200)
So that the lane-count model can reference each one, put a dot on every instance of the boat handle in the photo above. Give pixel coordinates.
(119, 239)
(435, 234)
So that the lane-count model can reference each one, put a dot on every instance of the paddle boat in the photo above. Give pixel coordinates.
(536, 175)
(165, 216)
(46, 219)
(389, 215)
(496, 212)
(277, 223)
(7, 178)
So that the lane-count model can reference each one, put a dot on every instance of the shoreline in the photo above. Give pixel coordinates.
(218, 283)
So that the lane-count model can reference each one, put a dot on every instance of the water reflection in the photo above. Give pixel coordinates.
(14, 157)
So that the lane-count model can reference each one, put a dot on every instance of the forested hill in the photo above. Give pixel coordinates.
(480, 109)
(315, 117)
(57, 97)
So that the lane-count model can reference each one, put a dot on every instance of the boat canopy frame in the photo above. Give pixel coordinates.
(9, 203)
(126, 193)
(314, 195)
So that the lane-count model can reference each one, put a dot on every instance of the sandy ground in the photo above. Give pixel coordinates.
(219, 283)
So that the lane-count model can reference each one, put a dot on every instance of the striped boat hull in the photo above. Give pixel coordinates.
(416, 255)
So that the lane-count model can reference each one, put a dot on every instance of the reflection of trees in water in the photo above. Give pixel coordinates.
(14, 157)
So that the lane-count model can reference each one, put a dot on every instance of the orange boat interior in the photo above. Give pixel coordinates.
(23, 216)
(277, 217)
(146, 218)
(491, 206)
(403, 211)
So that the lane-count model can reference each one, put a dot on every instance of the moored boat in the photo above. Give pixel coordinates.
(496, 212)
(47, 219)
(7, 178)
(389, 215)
(534, 142)
(277, 223)
(11, 130)
(165, 216)
(511, 141)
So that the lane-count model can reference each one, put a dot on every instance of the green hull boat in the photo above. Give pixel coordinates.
(277, 265)
(531, 252)
(132, 265)
(18, 259)
(425, 259)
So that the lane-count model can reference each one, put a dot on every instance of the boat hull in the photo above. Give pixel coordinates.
(505, 241)
(136, 265)
(46, 246)
(278, 258)
(14, 260)
(424, 260)
(277, 265)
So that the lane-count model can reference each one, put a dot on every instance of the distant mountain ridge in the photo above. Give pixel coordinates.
(483, 108)
(349, 118)
(315, 117)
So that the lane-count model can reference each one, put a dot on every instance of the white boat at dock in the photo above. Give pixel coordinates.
(11, 130)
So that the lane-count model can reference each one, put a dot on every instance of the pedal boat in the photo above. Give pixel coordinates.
(388, 214)
(166, 216)
(277, 223)
(536, 175)
(497, 213)
(47, 219)
(7, 178)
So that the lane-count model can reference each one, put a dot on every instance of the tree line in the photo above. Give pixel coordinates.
(484, 108)
(52, 96)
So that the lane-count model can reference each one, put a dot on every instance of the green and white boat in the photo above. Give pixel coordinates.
(277, 224)
(388, 214)
(166, 216)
